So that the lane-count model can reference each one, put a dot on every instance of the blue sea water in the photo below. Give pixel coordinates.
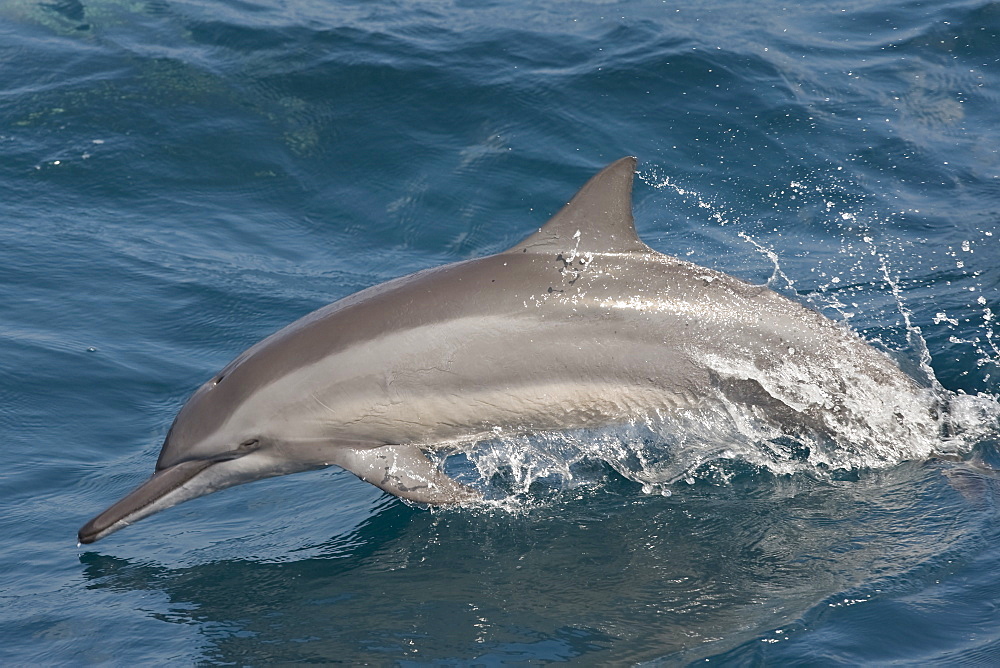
(180, 179)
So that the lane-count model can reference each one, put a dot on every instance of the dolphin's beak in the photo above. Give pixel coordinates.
(144, 500)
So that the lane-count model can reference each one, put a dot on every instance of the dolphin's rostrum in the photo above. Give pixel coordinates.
(579, 325)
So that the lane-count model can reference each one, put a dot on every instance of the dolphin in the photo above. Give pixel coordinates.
(579, 325)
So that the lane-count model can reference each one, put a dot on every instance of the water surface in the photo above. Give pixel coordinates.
(181, 179)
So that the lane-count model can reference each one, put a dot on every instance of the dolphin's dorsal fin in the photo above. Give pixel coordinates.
(597, 220)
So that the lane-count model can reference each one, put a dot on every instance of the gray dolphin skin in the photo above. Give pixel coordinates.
(579, 325)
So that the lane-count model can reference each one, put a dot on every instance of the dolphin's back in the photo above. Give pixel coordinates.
(529, 341)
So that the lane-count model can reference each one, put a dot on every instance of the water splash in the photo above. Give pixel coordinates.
(658, 452)
(719, 436)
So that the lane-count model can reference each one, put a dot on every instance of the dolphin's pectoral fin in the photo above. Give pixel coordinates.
(405, 471)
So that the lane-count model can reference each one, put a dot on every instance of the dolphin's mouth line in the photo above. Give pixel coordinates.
(142, 497)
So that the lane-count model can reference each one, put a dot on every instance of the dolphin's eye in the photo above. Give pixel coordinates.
(243, 448)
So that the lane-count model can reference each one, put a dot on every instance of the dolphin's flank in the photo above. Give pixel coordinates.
(579, 325)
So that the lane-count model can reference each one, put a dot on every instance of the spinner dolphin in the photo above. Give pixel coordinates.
(579, 325)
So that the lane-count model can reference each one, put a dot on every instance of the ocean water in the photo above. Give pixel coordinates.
(180, 179)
